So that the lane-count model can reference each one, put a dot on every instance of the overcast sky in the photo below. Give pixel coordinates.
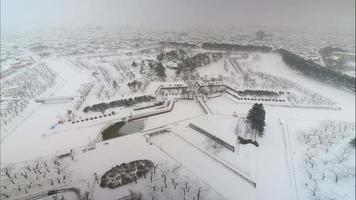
(335, 15)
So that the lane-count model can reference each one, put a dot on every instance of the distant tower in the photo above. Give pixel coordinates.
(260, 35)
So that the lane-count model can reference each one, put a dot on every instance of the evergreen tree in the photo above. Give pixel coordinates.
(353, 142)
(115, 84)
(256, 116)
(160, 70)
(151, 64)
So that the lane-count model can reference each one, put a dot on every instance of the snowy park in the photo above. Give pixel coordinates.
(159, 121)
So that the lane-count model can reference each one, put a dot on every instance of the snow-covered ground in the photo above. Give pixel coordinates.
(26, 141)
(181, 152)
(324, 158)
(215, 69)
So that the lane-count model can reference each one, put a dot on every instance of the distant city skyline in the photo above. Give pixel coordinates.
(318, 15)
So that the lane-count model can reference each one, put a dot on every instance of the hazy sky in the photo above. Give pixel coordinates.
(336, 15)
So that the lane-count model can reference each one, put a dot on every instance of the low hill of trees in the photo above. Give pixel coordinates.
(199, 60)
(177, 44)
(316, 71)
(235, 47)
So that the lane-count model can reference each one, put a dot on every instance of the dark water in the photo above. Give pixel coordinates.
(121, 128)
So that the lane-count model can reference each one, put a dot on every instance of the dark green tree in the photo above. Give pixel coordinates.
(115, 84)
(256, 116)
(353, 142)
(160, 70)
(151, 64)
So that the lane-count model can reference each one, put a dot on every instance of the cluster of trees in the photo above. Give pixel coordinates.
(172, 55)
(121, 70)
(211, 89)
(327, 134)
(85, 89)
(134, 84)
(189, 62)
(296, 94)
(309, 98)
(183, 93)
(267, 81)
(177, 44)
(256, 117)
(326, 158)
(134, 64)
(167, 183)
(106, 74)
(126, 173)
(316, 71)
(34, 176)
(100, 91)
(257, 93)
(138, 85)
(102, 107)
(198, 60)
(353, 142)
(160, 70)
(83, 92)
(103, 91)
(24, 87)
(157, 66)
(235, 47)
(215, 56)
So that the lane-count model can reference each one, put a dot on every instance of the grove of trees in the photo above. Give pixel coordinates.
(316, 71)
(160, 70)
(328, 160)
(35, 175)
(235, 47)
(102, 107)
(25, 86)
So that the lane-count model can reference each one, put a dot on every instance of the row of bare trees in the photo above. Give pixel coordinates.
(84, 91)
(168, 184)
(297, 94)
(327, 157)
(31, 176)
(22, 88)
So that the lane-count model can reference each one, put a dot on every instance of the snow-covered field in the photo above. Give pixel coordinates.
(214, 69)
(26, 141)
(324, 157)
